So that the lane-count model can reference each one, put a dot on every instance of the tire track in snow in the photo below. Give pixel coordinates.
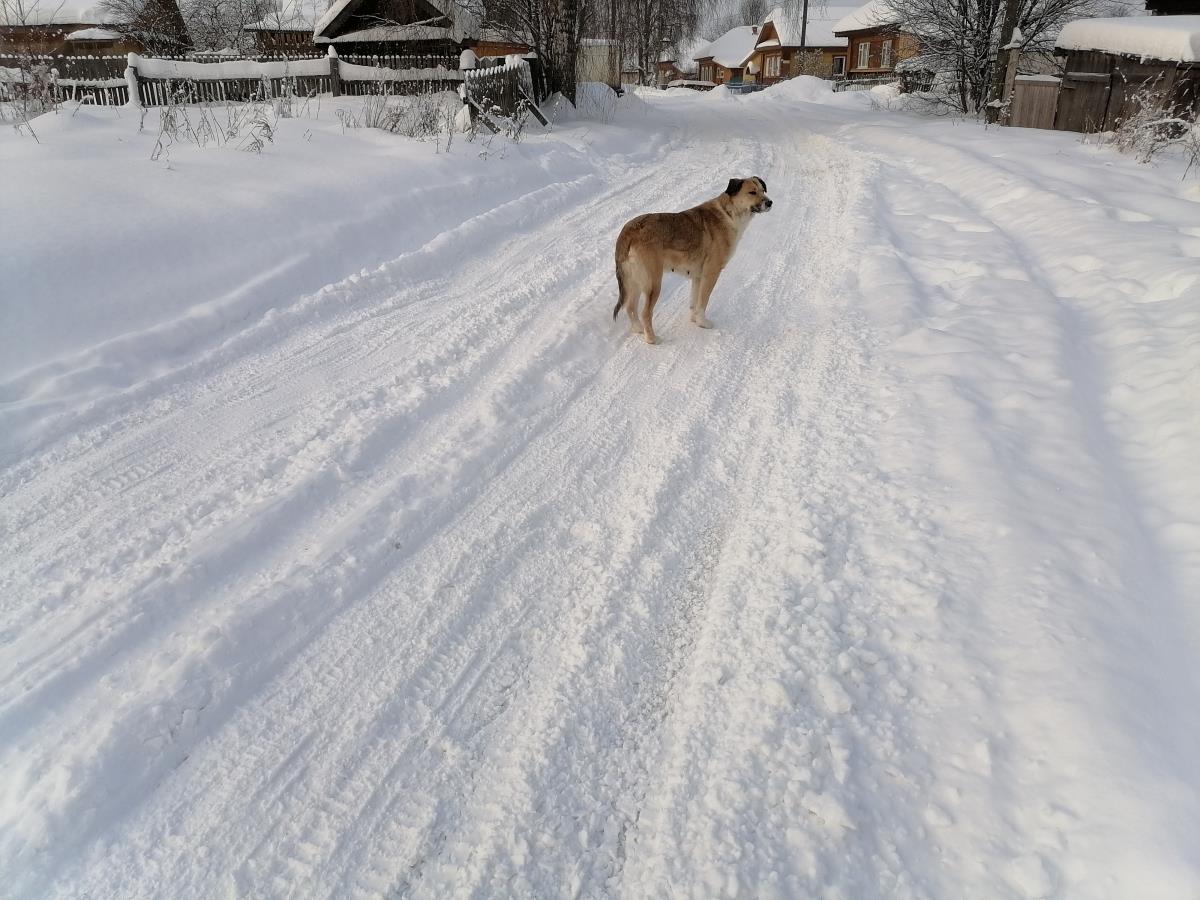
(302, 574)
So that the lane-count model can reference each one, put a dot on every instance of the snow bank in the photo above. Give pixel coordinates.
(1174, 38)
(352, 72)
(149, 67)
(802, 87)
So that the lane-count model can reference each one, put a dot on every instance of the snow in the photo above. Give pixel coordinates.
(352, 72)
(822, 22)
(732, 48)
(151, 67)
(351, 549)
(94, 34)
(1174, 38)
(874, 14)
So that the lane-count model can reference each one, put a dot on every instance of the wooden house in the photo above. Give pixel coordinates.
(83, 28)
(875, 41)
(667, 69)
(724, 60)
(783, 51)
(436, 29)
(1111, 65)
(287, 27)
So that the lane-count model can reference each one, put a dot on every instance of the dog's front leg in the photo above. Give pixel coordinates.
(702, 289)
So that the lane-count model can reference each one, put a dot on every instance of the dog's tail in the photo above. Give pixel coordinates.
(620, 292)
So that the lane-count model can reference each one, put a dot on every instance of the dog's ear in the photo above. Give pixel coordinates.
(735, 185)
(763, 183)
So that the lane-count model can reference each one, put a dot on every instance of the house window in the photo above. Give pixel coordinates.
(887, 54)
(771, 70)
(839, 65)
(864, 55)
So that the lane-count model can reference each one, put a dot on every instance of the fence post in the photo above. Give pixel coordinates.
(335, 79)
(131, 79)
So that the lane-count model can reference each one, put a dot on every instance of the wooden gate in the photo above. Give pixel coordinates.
(1035, 98)
(1083, 101)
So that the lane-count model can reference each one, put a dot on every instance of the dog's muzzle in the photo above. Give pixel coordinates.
(763, 207)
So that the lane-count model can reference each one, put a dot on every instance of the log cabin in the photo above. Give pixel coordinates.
(84, 28)
(781, 52)
(724, 60)
(875, 41)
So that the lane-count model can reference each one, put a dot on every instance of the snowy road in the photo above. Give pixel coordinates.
(433, 583)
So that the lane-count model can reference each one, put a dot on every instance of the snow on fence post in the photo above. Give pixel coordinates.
(131, 79)
(335, 79)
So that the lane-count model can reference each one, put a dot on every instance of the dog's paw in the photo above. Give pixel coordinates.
(703, 323)
(636, 329)
(650, 338)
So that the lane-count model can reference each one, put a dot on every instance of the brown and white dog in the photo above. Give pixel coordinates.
(697, 243)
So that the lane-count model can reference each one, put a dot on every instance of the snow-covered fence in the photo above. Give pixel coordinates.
(505, 90)
(862, 84)
(108, 80)
(357, 80)
(158, 81)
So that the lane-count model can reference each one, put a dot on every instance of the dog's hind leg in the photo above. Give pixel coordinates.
(631, 307)
(648, 311)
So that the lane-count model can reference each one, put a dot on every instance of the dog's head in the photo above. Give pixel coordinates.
(749, 193)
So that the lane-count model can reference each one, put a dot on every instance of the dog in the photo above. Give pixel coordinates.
(697, 243)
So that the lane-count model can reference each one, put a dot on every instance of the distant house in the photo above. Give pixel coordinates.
(875, 40)
(1110, 62)
(52, 28)
(668, 68)
(386, 27)
(779, 53)
(287, 27)
(724, 60)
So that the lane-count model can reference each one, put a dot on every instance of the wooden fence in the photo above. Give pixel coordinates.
(157, 81)
(500, 92)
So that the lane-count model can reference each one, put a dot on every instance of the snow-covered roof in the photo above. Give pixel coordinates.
(463, 23)
(732, 48)
(94, 34)
(53, 12)
(290, 15)
(821, 25)
(875, 14)
(389, 33)
(1175, 38)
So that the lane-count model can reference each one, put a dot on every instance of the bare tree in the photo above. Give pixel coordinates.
(646, 27)
(552, 28)
(962, 38)
(158, 24)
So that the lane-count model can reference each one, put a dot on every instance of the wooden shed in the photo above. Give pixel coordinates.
(1109, 63)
